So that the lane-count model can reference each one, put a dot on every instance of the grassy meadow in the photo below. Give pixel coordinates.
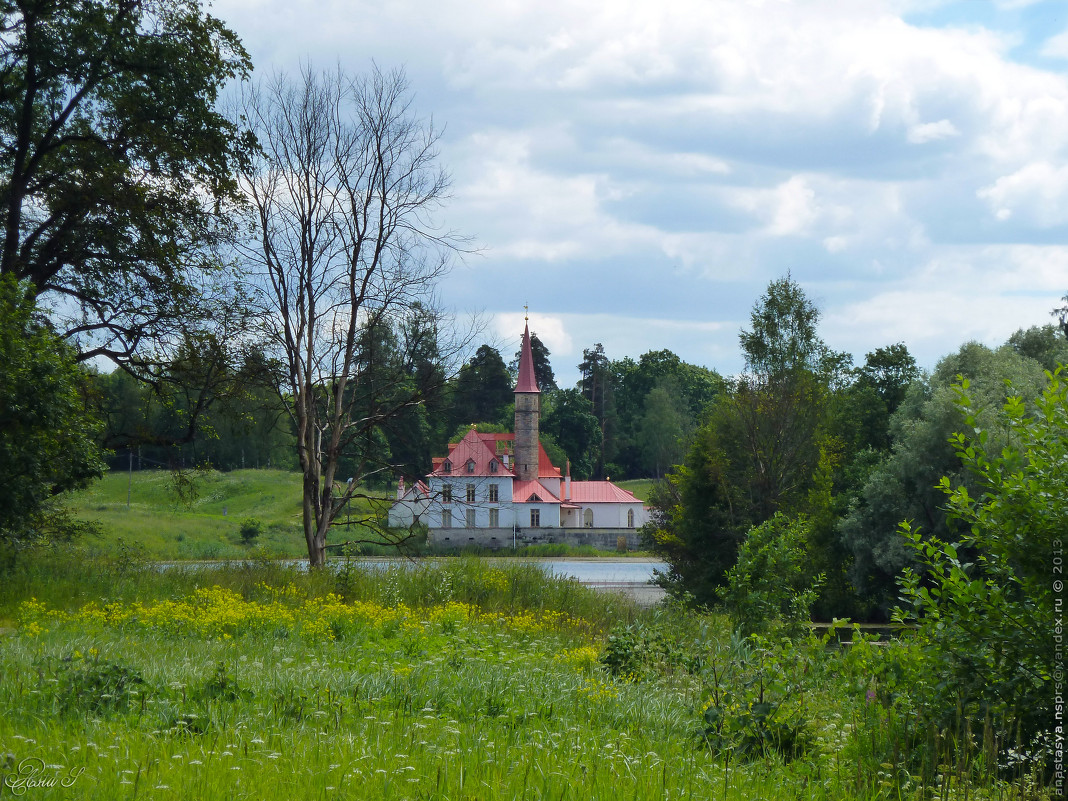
(142, 510)
(443, 679)
(451, 680)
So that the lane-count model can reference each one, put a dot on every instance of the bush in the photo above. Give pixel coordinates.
(769, 587)
(251, 528)
(982, 602)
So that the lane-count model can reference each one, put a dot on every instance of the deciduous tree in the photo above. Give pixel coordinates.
(114, 164)
(344, 252)
(482, 389)
(47, 435)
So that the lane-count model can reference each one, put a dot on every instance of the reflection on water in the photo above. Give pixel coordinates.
(588, 571)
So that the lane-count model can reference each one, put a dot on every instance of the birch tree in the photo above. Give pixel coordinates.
(343, 251)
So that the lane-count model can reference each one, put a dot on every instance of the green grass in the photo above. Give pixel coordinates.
(454, 680)
(641, 487)
(208, 526)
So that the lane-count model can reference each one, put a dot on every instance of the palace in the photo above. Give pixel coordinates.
(497, 490)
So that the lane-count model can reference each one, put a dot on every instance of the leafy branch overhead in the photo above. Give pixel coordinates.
(115, 163)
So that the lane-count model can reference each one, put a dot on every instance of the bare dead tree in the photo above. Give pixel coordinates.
(344, 252)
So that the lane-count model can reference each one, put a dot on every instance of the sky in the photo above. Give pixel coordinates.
(637, 172)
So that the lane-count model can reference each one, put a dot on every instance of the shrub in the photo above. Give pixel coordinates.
(770, 585)
(251, 528)
(982, 602)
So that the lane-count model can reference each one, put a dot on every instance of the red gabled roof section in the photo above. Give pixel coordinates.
(600, 492)
(472, 448)
(523, 490)
(489, 443)
(526, 382)
(545, 464)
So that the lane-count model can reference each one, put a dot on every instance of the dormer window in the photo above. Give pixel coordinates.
(446, 466)
(470, 465)
(493, 465)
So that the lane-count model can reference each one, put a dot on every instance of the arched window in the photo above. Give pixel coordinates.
(470, 465)
(587, 518)
(493, 465)
(446, 466)
(630, 518)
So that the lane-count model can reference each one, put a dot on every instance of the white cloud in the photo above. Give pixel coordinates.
(528, 213)
(789, 208)
(1056, 46)
(667, 159)
(981, 293)
(932, 132)
(550, 329)
(1037, 192)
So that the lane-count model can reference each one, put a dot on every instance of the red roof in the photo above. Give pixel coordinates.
(483, 447)
(526, 382)
(472, 448)
(523, 490)
(600, 492)
(546, 469)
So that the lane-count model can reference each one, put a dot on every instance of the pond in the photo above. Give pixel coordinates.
(590, 570)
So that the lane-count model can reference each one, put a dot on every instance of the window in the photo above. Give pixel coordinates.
(493, 465)
(495, 518)
(446, 518)
(470, 493)
(470, 465)
(446, 493)
(630, 518)
(493, 493)
(470, 518)
(446, 466)
(535, 518)
(587, 518)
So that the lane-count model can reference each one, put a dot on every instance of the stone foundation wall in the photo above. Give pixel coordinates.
(603, 539)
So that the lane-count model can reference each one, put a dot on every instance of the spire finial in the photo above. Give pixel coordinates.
(526, 313)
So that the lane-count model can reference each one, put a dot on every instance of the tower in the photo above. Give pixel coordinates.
(527, 411)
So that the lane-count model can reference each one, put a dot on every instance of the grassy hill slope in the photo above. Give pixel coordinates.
(208, 526)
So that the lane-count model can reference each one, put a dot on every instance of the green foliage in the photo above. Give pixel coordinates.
(482, 390)
(250, 530)
(640, 650)
(571, 423)
(114, 162)
(903, 485)
(758, 451)
(694, 526)
(222, 686)
(1046, 344)
(783, 337)
(771, 587)
(93, 686)
(664, 428)
(621, 406)
(402, 689)
(47, 435)
(757, 695)
(980, 600)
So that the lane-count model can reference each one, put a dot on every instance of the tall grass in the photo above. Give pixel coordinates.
(446, 680)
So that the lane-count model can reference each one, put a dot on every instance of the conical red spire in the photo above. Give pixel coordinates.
(526, 382)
